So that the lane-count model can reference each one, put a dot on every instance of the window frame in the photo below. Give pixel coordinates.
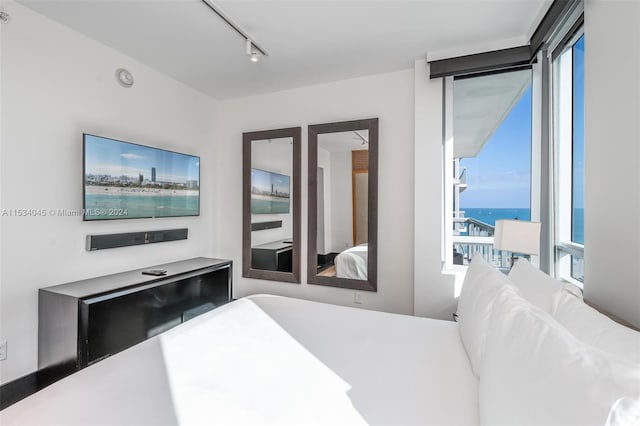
(562, 106)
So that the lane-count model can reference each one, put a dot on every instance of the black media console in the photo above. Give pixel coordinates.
(273, 256)
(85, 321)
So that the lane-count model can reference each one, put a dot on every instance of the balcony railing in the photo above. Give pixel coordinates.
(570, 258)
(470, 236)
(462, 179)
(466, 246)
(470, 226)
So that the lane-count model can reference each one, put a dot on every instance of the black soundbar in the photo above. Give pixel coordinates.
(260, 226)
(107, 241)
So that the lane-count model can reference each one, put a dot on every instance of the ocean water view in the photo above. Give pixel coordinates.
(128, 206)
(490, 215)
(269, 205)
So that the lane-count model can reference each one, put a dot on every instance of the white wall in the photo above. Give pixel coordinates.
(341, 202)
(387, 96)
(435, 292)
(57, 84)
(612, 157)
(324, 202)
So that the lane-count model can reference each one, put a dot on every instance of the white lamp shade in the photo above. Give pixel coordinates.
(517, 236)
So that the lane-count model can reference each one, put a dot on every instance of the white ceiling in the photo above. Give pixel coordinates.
(309, 42)
(344, 141)
(480, 105)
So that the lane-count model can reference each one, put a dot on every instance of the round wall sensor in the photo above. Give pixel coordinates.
(124, 77)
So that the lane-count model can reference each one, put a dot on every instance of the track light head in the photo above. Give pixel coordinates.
(253, 50)
(253, 55)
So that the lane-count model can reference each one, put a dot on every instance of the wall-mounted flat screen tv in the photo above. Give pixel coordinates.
(270, 192)
(124, 180)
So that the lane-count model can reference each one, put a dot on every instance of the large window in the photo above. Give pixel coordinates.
(487, 162)
(568, 81)
(514, 146)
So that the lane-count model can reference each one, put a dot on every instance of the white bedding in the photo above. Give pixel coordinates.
(352, 263)
(273, 360)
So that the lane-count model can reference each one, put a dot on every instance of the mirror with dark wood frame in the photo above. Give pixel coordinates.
(271, 161)
(343, 204)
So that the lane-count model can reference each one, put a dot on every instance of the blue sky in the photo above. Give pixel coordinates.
(499, 176)
(115, 158)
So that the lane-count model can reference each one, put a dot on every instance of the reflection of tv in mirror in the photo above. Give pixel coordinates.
(126, 181)
(270, 192)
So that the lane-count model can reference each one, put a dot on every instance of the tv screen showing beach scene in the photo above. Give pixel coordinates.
(269, 192)
(124, 180)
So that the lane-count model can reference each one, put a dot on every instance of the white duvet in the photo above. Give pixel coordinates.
(275, 361)
(352, 263)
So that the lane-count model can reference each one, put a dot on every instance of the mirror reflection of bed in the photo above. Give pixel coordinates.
(343, 162)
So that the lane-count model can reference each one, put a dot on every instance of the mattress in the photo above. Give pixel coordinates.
(352, 263)
(272, 360)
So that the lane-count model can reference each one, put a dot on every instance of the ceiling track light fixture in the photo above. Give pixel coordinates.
(252, 49)
(365, 141)
(253, 55)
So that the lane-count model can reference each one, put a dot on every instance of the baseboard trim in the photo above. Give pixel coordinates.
(20, 388)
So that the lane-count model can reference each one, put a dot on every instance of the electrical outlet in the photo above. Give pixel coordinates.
(357, 298)
(3, 350)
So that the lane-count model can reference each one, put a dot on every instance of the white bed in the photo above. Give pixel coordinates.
(273, 360)
(352, 263)
(542, 356)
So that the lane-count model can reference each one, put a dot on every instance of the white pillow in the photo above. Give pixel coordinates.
(482, 283)
(595, 329)
(535, 372)
(536, 286)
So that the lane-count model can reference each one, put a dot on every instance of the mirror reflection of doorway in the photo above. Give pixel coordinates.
(342, 204)
(343, 182)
